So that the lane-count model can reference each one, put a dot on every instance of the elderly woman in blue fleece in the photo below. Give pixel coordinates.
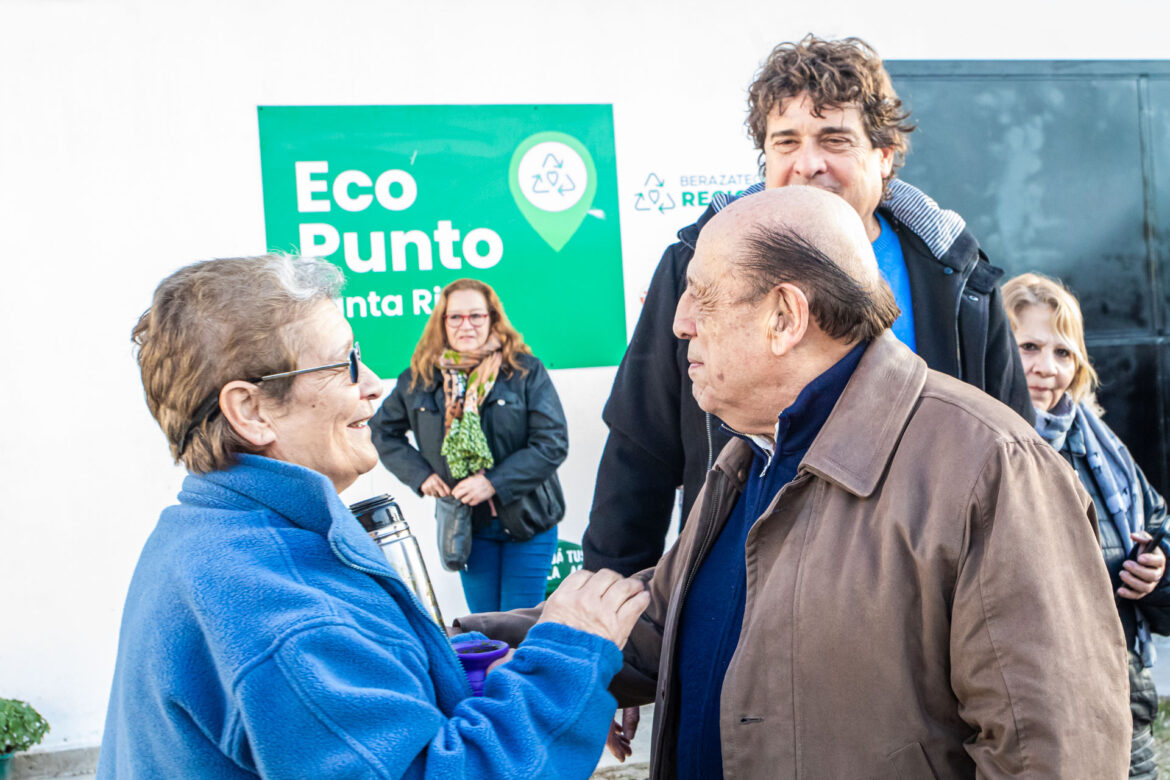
(264, 633)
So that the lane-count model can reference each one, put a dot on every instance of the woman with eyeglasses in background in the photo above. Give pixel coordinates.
(1050, 332)
(490, 432)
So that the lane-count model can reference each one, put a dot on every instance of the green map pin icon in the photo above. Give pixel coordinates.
(553, 180)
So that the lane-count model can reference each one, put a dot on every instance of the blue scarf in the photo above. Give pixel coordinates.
(1115, 474)
(1054, 424)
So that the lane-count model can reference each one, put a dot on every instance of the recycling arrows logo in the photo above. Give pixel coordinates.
(550, 179)
(653, 196)
(553, 180)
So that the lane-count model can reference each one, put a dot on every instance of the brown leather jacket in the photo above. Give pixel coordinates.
(919, 603)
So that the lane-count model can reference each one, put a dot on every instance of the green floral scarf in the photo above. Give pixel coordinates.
(467, 379)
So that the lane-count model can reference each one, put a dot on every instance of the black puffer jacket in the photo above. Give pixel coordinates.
(525, 429)
(660, 439)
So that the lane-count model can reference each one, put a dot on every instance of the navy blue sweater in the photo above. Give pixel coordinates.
(713, 613)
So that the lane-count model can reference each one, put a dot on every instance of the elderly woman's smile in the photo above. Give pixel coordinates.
(323, 424)
(262, 612)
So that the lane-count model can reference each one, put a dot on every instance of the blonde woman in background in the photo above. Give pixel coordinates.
(1049, 329)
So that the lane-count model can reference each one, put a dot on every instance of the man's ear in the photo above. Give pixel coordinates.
(242, 406)
(887, 161)
(788, 318)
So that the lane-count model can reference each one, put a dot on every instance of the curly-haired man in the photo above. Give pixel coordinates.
(822, 113)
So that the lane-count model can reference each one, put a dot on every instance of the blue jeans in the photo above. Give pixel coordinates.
(503, 575)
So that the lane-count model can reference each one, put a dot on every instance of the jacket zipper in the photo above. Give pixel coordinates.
(961, 288)
(710, 444)
(413, 599)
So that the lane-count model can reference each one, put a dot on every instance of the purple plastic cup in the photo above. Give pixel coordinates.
(476, 656)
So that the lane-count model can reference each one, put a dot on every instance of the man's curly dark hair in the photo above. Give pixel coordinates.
(835, 74)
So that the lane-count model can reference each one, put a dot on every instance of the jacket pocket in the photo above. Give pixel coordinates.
(534, 512)
(505, 423)
(911, 763)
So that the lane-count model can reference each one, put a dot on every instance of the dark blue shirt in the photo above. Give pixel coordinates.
(712, 613)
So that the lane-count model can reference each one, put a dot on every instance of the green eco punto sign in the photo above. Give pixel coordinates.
(405, 199)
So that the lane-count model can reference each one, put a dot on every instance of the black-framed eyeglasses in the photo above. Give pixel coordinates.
(210, 406)
(353, 362)
(476, 318)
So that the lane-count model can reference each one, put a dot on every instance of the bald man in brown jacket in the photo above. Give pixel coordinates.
(923, 596)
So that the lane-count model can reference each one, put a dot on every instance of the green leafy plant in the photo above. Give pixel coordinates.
(21, 726)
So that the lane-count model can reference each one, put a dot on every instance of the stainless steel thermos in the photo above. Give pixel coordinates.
(383, 521)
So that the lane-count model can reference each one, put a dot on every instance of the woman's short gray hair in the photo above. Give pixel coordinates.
(216, 321)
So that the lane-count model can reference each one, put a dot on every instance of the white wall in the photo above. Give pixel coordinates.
(128, 147)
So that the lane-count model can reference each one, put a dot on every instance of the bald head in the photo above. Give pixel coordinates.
(821, 219)
(814, 240)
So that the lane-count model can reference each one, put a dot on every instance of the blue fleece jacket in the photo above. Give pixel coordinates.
(264, 634)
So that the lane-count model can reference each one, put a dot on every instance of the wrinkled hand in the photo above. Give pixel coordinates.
(473, 490)
(622, 734)
(435, 487)
(602, 603)
(1142, 576)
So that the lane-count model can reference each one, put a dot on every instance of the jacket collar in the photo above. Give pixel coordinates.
(940, 230)
(857, 441)
(798, 425)
(304, 497)
(859, 438)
